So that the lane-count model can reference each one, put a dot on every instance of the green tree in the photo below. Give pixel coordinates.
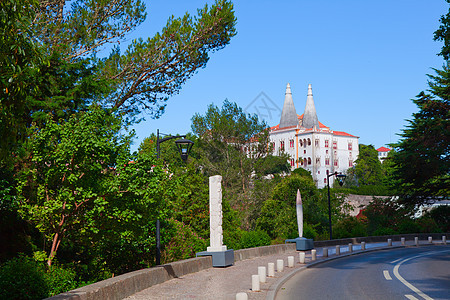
(232, 144)
(367, 170)
(80, 181)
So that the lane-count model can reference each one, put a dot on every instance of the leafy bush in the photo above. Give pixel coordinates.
(428, 225)
(184, 243)
(408, 226)
(258, 238)
(441, 215)
(384, 231)
(349, 227)
(60, 279)
(22, 278)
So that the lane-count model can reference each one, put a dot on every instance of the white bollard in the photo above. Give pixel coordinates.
(444, 240)
(280, 265)
(301, 257)
(403, 241)
(389, 242)
(241, 296)
(430, 240)
(290, 261)
(325, 252)
(313, 254)
(271, 269)
(255, 283)
(338, 250)
(363, 245)
(262, 274)
(416, 241)
(350, 247)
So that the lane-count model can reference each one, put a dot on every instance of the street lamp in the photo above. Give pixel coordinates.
(184, 146)
(341, 178)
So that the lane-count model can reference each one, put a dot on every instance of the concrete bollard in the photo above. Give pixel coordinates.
(325, 252)
(271, 269)
(430, 239)
(403, 241)
(262, 274)
(444, 240)
(301, 257)
(255, 283)
(350, 247)
(280, 265)
(389, 242)
(338, 250)
(290, 261)
(363, 245)
(313, 254)
(241, 296)
(416, 241)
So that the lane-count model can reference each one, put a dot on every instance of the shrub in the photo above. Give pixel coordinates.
(384, 231)
(184, 243)
(22, 278)
(408, 226)
(349, 227)
(258, 238)
(441, 215)
(60, 279)
(428, 225)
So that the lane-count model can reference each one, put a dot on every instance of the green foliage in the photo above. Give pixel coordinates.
(384, 214)
(443, 34)
(183, 244)
(256, 238)
(278, 214)
(60, 279)
(349, 227)
(441, 215)
(223, 148)
(302, 172)
(428, 225)
(384, 231)
(408, 226)
(367, 170)
(23, 278)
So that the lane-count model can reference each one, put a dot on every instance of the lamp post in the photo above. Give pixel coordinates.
(184, 146)
(340, 177)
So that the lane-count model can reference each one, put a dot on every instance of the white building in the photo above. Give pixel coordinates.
(312, 145)
(383, 153)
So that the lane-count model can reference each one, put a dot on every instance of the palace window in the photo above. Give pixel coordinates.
(309, 142)
(317, 160)
(349, 145)
(327, 161)
(291, 143)
(301, 143)
(316, 142)
(282, 145)
(292, 162)
(327, 143)
(350, 163)
(334, 144)
(335, 162)
(309, 160)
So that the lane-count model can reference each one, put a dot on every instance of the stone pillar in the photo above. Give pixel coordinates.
(215, 215)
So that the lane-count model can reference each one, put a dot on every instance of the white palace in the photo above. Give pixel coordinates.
(312, 145)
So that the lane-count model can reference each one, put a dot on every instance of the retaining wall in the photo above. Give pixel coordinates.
(122, 286)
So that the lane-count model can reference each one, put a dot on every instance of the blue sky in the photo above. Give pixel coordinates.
(365, 60)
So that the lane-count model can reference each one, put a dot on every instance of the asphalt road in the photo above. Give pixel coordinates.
(405, 273)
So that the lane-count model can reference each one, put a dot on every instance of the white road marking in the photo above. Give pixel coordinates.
(411, 297)
(409, 285)
(393, 262)
(386, 275)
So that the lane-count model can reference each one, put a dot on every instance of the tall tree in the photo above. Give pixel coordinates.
(421, 162)
(232, 144)
(367, 170)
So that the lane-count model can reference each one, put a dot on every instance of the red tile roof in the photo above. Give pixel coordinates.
(342, 133)
(383, 149)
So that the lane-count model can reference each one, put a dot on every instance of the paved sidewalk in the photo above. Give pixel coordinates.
(225, 283)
